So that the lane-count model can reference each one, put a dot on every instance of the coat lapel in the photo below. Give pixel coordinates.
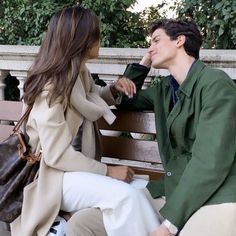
(173, 114)
(185, 89)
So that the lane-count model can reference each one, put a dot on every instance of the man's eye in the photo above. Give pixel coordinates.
(156, 39)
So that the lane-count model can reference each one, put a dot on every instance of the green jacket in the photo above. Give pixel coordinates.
(196, 139)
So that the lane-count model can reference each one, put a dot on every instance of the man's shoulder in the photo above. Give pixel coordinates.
(210, 76)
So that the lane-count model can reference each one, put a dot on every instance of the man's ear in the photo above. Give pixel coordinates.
(180, 40)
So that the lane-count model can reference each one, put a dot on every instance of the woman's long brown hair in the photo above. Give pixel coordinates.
(70, 35)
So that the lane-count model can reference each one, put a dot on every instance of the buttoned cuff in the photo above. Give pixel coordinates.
(171, 227)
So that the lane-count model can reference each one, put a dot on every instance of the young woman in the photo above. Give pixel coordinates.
(62, 125)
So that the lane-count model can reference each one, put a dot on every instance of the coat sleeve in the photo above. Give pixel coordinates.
(137, 73)
(213, 153)
(55, 139)
(104, 92)
(143, 100)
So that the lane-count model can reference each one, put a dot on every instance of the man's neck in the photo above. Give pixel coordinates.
(180, 67)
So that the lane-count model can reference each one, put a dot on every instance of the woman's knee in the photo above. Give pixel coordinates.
(131, 194)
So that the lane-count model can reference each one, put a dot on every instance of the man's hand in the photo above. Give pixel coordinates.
(146, 60)
(161, 231)
(123, 173)
(124, 85)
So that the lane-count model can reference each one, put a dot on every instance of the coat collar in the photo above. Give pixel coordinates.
(193, 75)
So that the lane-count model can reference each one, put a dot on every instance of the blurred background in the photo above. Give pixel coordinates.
(124, 22)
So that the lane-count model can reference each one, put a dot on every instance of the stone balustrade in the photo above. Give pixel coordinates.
(16, 61)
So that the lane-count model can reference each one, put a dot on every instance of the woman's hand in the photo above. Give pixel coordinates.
(161, 231)
(123, 173)
(124, 85)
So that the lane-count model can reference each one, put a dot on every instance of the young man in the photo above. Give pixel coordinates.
(196, 132)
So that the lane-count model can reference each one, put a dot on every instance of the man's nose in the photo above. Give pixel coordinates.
(150, 49)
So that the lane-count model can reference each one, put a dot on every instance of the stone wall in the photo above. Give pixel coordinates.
(16, 60)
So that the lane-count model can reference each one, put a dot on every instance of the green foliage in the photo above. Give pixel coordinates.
(216, 19)
(120, 27)
(155, 80)
(25, 21)
(149, 15)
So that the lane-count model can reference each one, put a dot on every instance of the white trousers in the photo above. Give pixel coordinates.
(126, 210)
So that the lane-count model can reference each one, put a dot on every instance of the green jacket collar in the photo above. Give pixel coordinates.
(187, 86)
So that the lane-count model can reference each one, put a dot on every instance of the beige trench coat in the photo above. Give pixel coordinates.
(52, 130)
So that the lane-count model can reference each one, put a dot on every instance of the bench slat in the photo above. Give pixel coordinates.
(142, 155)
(153, 174)
(131, 121)
(10, 110)
(5, 131)
(130, 149)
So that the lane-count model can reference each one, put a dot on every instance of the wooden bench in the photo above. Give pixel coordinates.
(141, 154)
(9, 112)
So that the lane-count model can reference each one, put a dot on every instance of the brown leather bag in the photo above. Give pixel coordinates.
(18, 167)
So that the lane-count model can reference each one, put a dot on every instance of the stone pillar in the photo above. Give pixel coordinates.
(3, 75)
(21, 77)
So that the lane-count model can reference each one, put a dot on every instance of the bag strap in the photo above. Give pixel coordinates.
(23, 118)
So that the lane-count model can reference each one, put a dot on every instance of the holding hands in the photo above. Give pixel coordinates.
(125, 86)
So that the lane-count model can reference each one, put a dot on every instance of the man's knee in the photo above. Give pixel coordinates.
(87, 222)
(214, 220)
(156, 203)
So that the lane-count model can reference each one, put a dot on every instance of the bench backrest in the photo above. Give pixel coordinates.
(10, 112)
(139, 151)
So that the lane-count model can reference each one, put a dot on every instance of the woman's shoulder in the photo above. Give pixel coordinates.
(42, 109)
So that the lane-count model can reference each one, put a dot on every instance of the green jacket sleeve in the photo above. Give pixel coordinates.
(156, 187)
(137, 73)
(143, 100)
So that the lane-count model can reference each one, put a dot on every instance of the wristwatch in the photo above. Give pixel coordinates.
(172, 228)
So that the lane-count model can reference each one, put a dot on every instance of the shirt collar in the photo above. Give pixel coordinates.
(174, 86)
